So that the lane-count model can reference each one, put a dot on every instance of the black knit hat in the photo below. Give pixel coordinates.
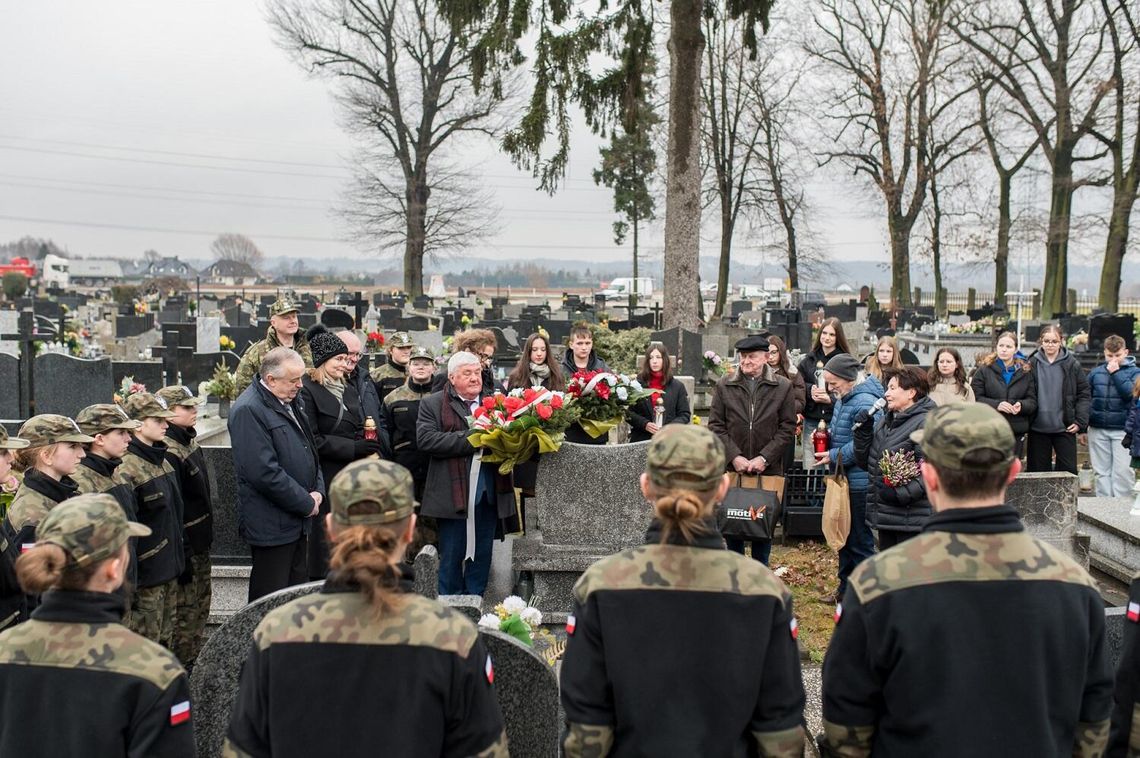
(324, 346)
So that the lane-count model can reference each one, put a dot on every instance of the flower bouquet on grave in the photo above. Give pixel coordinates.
(898, 467)
(375, 341)
(602, 398)
(713, 363)
(127, 388)
(511, 428)
(514, 617)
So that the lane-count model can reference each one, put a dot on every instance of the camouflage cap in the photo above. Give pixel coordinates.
(89, 528)
(50, 428)
(421, 352)
(685, 457)
(145, 405)
(11, 443)
(953, 434)
(102, 417)
(179, 394)
(371, 491)
(401, 339)
(283, 305)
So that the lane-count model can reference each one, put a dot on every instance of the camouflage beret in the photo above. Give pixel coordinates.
(421, 352)
(89, 528)
(283, 305)
(384, 485)
(50, 428)
(401, 339)
(686, 457)
(179, 394)
(11, 443)
(102, 417)
(145, 405)
(953, 434)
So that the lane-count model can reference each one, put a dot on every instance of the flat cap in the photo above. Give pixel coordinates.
(751, 343)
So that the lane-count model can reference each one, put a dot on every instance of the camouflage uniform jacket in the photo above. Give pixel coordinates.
(401, 409)
(971, 638)
(1126, 715)
(186, 456)
(437, 698)
(159, 499)
(251, 361)
(124, 694)
(641, 675)
(96, 474)
(388, 378)
(37, 495)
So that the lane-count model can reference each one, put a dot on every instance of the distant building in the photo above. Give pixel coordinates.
(95, 272)
(230, 273)
(161, 267)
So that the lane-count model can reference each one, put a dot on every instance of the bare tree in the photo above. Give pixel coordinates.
(1045, 55)
(1123, 25)
(889, 56)
(236, 247)
(405, 83)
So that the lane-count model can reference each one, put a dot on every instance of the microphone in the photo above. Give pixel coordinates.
(879, 405)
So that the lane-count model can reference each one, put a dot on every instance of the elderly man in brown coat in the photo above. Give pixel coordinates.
(754, 414)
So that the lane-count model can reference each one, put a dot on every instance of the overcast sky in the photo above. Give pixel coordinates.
(138, 124)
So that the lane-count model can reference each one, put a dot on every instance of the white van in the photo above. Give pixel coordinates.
(55, 271)
(622, 286)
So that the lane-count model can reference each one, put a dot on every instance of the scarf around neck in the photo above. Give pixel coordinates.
(539, 373)
(335, 386)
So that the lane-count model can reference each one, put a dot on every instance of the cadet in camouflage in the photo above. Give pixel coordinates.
(640, 676)
(123, 695)
(394, 371)
(283, 331)
(991, 640)
(50, 458)
(366, 626)
(401, 408)
(195, 589)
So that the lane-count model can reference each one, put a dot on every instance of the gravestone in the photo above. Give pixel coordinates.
(208, 333)
(9, 324)
(526, 687)
(203, 364)
(413, 324)
(389, 317)
(433, 341)
(670, 338)
(690, 353)
(335, 318)
(1047, 502)
(575, 520)
(66, 385)
(10, 381)
(147, 373)
(133, 326)
(227, 547)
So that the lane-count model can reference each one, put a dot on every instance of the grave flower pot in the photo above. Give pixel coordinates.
(223, 408)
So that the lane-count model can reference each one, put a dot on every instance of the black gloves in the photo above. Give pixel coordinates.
(365, 448)
(1126, 443)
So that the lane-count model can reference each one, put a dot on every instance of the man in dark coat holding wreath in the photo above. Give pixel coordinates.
(467, 501)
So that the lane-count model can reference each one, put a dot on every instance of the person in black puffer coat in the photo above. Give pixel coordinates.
(896, 512)
(1005, 380)
(817, 402)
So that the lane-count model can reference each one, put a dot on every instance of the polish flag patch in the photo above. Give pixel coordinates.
(1134, 612)
(179, 713)
(27, 546)
(795, 627)
(571, 624)
(489, 669)
(838, 612)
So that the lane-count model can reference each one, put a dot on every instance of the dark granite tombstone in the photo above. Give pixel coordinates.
(736, 307)
(389, 317)
(795, 336)
(305, 320)
(670, 338)
(413, 324)
(1122, 324)
(66, 385)
(147, 373)
(244, 336)
(307, 306)
(691, 354)
(843, 311)
(422, 303)
(335, 318)
(10, 379)
(879, 319)
(133, 326)
(203, 365)
(227, 547)
(235, 316)
(559, 331)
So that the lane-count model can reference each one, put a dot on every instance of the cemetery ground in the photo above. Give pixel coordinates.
(809, 568)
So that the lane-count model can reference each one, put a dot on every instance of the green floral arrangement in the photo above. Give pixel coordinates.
(223, 384)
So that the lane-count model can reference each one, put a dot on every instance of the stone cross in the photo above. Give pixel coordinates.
(25, 337)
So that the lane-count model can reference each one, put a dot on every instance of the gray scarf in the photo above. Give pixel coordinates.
(539, 373)
(335, 386)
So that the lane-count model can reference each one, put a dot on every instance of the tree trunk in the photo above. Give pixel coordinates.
(635, 291)
(683, 182)
(936, 249)
(1116, 246)
(900, 263)
(1005, 223)
(417, 198)
(1054, 292)
(727, 228)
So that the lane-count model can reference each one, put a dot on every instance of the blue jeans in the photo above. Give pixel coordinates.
(860, 541)
(760, 550)
(459, 577)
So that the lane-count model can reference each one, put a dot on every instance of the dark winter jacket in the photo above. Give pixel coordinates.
(899, 509)
(38, 494)
(366, 391)
(861, 397)
(1131, 438)
(754, 419)
(810, 365)
(1112, 394)
(75, 681)
(188, 459)
(158, 497)
(1075, 394)
(96, 474)
(275, 460)
(675, 404)
(594, 363)
(639, 677)
(799, 389)
(1125, 738)
(990, 388)
(970, 639)
(336, 426)
(401, 411)
(446, 491)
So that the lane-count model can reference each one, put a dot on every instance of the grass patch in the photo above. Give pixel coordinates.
(812, 571)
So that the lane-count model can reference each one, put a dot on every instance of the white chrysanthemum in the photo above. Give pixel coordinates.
(635, 385)
(611, 380)
(514, 604)
(489, 621)
(532, 616)
(622, 393)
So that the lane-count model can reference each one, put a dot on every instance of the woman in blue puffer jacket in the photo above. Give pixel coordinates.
(856, 392)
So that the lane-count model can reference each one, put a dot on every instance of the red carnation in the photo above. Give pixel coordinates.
(529, 394)
(543, 411)
(512, 404)
(489, 402)
(556, 402)
(602, 390)
(480, 412)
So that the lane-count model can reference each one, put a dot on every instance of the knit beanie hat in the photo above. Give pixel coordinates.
(844, 365)
(324, 346)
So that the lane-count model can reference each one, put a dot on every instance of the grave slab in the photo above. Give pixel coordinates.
(66, 385)
(1114, 535)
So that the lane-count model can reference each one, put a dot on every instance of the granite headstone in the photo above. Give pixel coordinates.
(66, 385)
